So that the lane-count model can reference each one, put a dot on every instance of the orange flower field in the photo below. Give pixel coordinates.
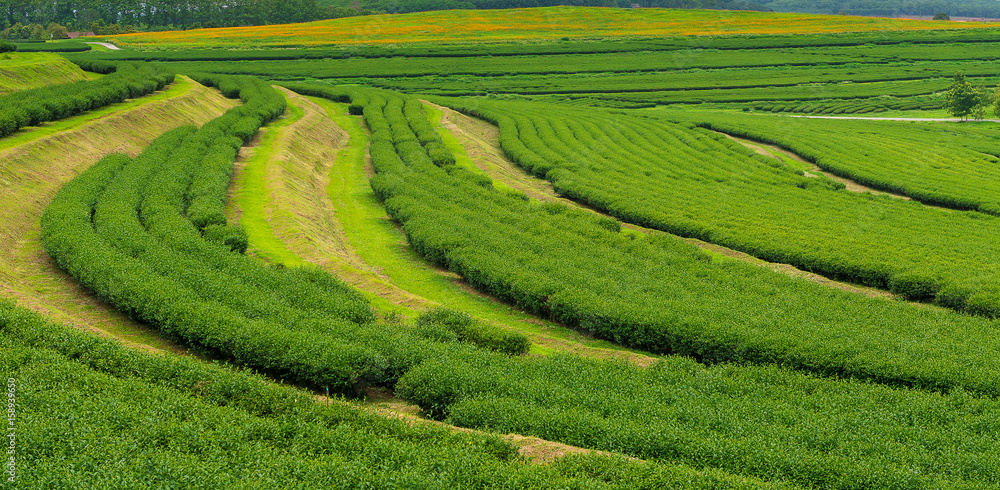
(460, 26)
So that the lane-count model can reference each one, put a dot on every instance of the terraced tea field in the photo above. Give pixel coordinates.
(589, 248)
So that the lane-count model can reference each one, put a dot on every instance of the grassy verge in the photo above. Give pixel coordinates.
(253, 201)
(379, 243)
(19, 71)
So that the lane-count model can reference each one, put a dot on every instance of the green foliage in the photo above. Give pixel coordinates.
(764, 421)
(658, 293)
(233, 237)
(962, 98)
(471, 330)
(132, 418)
(639, 168)
(35, 106)
(149, 237)
(7, 47)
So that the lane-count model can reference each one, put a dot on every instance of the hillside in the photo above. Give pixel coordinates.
(31, 70)
(600, 228)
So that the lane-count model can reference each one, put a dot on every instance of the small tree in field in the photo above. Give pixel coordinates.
(962, 98)
(941, 16)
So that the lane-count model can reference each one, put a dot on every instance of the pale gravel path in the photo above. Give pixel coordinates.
(106, 45)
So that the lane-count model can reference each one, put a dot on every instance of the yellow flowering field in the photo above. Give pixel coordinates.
(536, 24)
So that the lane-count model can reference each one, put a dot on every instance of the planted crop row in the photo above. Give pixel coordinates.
(35, 106)
(695, 183)
(658, 293)
(767, 421)
(60, 47)
(132, 231)
(938, 163)
(865, 106)
(694, 80)
(92, 413)
(803, 92)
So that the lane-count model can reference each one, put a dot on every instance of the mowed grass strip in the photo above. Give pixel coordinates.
(20, 71)
(381, 244)
(535, 24)
(37, 163)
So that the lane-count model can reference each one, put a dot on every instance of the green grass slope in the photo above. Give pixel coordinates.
(20, 71)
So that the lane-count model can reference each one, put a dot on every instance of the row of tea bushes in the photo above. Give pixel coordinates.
(647, 170)
(34, 106)
(763, 421)
(658, 293)
(94, 414)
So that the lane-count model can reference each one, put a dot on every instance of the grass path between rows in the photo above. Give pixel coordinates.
(304, 197)
(36, 164)
(301, 191)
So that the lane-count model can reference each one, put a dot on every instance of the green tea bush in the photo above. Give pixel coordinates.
(233, 237)
(471, 330)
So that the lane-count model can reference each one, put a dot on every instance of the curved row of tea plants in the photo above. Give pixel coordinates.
(759, 421)
(657, 293)
(695, 183)
(865, 106)
(34, 106)
(939, 163)
(931, 75)
(888, 45)
(92, 413)
(807, 92)
(121, 230)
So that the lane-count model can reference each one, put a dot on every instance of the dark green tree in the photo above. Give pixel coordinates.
(962, 97)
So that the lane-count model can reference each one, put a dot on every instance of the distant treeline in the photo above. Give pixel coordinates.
(889, 8)
(406, 6)
(876, 8)
(120, 16)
